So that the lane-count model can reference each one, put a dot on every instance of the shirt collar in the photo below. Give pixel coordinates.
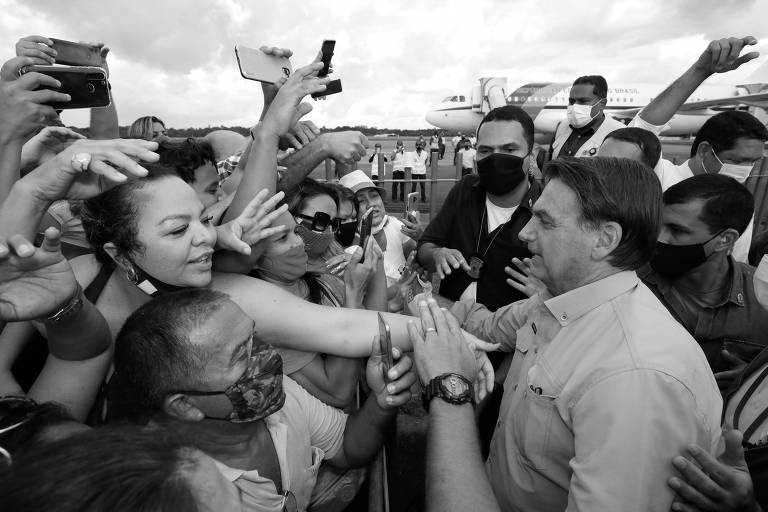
(735, 294)
(576, 303)
(530, 197)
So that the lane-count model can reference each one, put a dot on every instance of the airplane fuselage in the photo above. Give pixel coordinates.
(546, 103)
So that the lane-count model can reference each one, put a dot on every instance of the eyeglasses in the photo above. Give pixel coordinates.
(321, 221)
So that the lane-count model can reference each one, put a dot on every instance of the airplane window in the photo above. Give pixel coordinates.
(461, 98)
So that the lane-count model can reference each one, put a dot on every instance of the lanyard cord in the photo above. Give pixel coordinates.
(743, 402)
(498, 230)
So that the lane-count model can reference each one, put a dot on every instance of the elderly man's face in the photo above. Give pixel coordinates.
(561, 247)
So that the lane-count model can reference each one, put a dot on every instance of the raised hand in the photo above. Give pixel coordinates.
(344, 147)
(37, 48)
(34, 282)
(522, 280)
(357, 275)
(109, 163)
(722, 55)
(46, 144)
(447, 259)
(254, 225)
(287, 108)
(412, 225)
(25, 108)
(302, 134)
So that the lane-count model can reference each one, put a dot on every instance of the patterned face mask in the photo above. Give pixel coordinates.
(258, 392)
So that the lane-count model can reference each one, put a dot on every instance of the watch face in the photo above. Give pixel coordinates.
(454, 387)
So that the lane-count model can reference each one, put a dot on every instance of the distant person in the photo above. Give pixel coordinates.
(456, 140)
(374, 161)
(147, 128)
(434, 143)
(398, 170)
(419, 160)
(467, 155)
(441, 144)
(586, 125)
(633, 143)
(694, 275)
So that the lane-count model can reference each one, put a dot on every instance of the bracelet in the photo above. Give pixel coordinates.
(72, 307)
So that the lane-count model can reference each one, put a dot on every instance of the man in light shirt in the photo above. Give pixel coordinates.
(604, 385)
(467, 154)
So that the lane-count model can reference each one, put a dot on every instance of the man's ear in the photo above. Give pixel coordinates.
(726, 240)
(179, 406)
(608, 239)
(703, 148)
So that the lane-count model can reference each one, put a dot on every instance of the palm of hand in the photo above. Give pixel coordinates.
(33, 287)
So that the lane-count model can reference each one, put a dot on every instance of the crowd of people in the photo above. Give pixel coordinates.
(195, 324)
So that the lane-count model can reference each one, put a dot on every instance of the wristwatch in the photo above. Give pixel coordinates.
(451, 387)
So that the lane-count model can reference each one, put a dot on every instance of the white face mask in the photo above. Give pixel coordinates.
(738, 172)
(760, 281)
(579, 115)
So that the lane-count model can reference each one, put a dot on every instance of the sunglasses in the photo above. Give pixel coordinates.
(321, 221)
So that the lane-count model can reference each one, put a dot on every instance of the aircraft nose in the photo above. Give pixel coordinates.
(433, 116)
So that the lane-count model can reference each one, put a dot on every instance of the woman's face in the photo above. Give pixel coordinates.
(347, 211)
(321, 203)
(285, 241)
(176, 240)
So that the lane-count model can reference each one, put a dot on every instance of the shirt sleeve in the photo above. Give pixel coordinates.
(500, 326)
(326, 424)
(639, 122)
(741, 247)
(628, 427)
(439, 229)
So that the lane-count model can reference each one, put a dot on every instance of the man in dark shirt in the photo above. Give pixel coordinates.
(695, 277)
(474, 236)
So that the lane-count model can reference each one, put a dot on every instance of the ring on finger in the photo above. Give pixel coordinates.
(81, 161)
(430, 329)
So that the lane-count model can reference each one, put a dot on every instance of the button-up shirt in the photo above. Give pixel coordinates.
(737, 323)
(604, 388)
(305, 432)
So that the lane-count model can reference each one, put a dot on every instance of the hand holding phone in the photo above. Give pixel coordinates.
(334, 86)
(387, 359)
(410, 203)
(87, 86)
(256, 65)
(366, 224)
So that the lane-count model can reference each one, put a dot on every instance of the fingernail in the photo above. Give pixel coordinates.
(391, 388)
(390, 399)
(679, 462)
(674, 482)
(392, 374)
(25, 250)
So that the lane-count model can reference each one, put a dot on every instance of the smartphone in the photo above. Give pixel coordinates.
(327, 50)
(76, 54)
(386, 346)
(366, 223)
(256, 65)
(332, 87)
(87, 85)
(410, 203)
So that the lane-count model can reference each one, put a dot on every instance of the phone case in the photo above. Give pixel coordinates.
(327, 54)
(76, 54)
(87, 85)
(256, 65)
(365, 232)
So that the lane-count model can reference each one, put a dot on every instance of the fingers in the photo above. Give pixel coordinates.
(20, 246)
(51, 240)
(307, 70)
(441, 324)
(356, 256)
(734, 450)
(717, 471)
(305, 108)
(427, 322)
(312, 127)
(11, 69)
(704, 489)
(403, 366)
(293, 141)
(689, 492)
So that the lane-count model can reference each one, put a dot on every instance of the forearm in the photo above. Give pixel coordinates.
(260, 172)
(21, 212)
(10, 163)
(80, 336)
(104, 124)
(452, 442)
(365, 431)
(665, 105)
(302, 162)
(376, 297)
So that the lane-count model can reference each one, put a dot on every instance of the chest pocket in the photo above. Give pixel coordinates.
(536, 417)
(303, 489)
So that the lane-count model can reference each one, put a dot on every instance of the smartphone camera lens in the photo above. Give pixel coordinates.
(91, 88)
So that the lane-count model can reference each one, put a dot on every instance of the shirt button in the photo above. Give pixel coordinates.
(563, 317)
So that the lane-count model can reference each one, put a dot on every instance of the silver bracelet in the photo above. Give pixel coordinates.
(72, 307)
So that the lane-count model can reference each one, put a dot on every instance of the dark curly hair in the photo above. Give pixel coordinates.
(186, 156)
(111, 216)
(307, 189)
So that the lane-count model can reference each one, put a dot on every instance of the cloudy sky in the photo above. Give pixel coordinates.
(175, 58)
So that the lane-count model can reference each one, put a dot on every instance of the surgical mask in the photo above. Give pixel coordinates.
(580, 116)
(346, 233)
(738, 172)
(676, 260)
(259, 390)
(286, 267)
(499, 173)
(760, 282)
(315, 243)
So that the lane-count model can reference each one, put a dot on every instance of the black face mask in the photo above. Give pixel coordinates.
(500, 173)
(676, 260)
(345, 235)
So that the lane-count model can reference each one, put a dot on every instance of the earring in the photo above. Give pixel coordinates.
(131, 275)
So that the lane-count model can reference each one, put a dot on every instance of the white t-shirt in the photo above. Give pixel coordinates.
(467, 158)
(418, 162)
(496, 216)
(375, 166)
(398, 161)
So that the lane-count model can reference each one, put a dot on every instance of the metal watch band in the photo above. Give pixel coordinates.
(74, 305)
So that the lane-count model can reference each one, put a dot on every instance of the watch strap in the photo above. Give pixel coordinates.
(434, 389)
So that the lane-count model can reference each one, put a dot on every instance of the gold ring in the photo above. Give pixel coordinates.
(81, 161)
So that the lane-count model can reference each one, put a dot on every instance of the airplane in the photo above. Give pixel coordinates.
(546, 103)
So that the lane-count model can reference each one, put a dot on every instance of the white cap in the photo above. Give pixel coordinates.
(357, 181)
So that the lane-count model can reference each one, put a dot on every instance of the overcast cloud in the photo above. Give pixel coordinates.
(175, 58)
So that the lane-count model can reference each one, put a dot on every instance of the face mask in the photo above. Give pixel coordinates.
(499, 173)
(738, 172)
(286, 267)
(314, 243)
(259, 390)
(676, 260)
(346, 233)
(580, 116)
(760, 282)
